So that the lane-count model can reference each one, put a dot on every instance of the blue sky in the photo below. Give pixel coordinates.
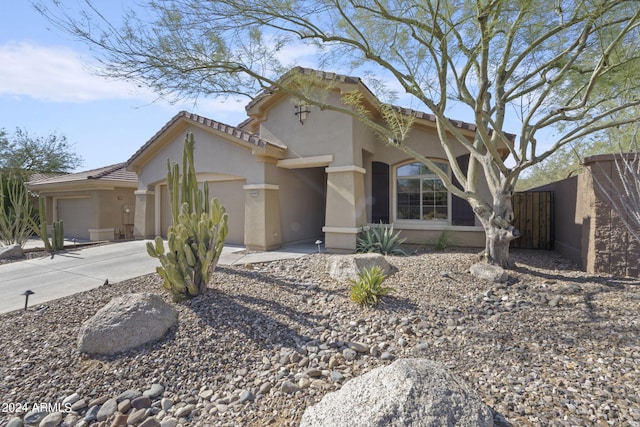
(46, 87)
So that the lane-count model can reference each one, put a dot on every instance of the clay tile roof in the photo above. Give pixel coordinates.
(115, 172)
(221, 127)
(326, 75)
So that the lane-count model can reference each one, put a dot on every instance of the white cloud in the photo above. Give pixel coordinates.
(55, 74)
(62, 75)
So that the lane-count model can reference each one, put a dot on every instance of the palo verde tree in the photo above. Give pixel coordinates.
(536, 65)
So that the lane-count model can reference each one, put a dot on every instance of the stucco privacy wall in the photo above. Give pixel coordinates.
(587, 230)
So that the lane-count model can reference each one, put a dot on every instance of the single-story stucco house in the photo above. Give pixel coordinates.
(94, 205)
(293, 172)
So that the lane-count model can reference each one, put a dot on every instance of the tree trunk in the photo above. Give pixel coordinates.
(499, 231)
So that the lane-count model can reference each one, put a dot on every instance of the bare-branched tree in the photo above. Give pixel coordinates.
(537, 63)
(621, 187)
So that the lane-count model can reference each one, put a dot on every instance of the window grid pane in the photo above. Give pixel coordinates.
(421, 195)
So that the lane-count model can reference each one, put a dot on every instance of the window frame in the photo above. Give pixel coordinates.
(424, 222)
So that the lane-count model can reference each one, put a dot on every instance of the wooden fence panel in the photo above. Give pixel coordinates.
(533, 216)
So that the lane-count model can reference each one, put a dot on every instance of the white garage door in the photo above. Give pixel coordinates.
(76, 217)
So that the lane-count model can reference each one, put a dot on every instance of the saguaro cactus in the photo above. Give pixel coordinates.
(196, 238)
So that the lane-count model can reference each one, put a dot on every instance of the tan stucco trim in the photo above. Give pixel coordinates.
(345, 230)
(261, 187)
(157, 208)
(144, 192)
(306, 162)
(101, 234)
(433, 225)
(350, 168)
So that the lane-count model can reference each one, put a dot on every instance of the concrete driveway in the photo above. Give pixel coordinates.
(83, 269)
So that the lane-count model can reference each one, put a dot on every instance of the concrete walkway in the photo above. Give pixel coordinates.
(78, 270)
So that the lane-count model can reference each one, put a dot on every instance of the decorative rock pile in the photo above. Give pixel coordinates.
(131, 407)
(551, 346)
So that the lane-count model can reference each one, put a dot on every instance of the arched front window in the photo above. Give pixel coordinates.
(420, 193)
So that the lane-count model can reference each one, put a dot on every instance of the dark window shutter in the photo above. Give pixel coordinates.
(380, 192)
(461, 211)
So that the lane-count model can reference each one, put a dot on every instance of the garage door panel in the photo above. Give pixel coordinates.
(231, 196)
(76, 217)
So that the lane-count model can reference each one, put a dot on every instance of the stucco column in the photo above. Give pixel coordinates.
(144, 220)
(262, 217)
(346, 208)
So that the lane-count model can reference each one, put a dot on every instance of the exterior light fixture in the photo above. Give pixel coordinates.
(318, 242)
(302, 111)
(26, 297)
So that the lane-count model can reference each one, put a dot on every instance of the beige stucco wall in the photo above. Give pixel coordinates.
(212, 153)
(116, 209)
(302, 203)
(227, 166)
(323, 132)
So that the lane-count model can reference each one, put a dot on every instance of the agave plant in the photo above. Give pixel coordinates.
(380, 239)
(368, 289)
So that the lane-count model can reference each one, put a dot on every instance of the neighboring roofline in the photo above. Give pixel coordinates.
(232, 131)
(106, 170)
(99, 177)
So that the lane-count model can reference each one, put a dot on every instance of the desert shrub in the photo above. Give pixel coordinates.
(380, 239)
(443, 241)
(367, 290)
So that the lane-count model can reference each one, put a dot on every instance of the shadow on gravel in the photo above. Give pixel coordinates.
(392, 303)
(610, 282)
(263, 320)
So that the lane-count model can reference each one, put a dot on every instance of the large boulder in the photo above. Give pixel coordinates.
(409, 392)
(126, 322)
(489, 272)
(11, 251)
(346, 267)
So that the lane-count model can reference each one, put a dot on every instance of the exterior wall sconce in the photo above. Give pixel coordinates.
(302, 111)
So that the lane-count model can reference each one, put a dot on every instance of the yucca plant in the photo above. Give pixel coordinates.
(380, 239)
(368, 290)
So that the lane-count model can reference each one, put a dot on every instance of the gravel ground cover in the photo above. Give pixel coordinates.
(552, 347)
